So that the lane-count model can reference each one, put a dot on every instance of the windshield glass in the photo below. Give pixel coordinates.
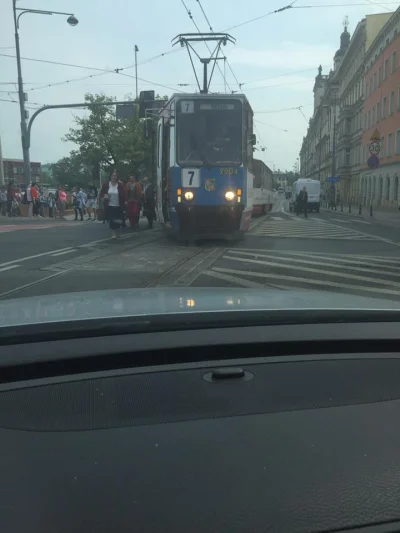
(264, 158)
(209, 132)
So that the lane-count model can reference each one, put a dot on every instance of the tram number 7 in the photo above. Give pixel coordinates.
(191, 177)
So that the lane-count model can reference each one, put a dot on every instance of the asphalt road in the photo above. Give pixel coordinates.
(328, 251)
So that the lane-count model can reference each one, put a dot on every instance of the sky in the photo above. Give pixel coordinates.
(275, 57)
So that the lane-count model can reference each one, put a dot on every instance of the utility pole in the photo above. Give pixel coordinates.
(21, 96)
(136, 51)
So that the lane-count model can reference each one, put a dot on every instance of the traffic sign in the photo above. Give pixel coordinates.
(376, 136)
(374, 148)
(373, 161)
(332, 180)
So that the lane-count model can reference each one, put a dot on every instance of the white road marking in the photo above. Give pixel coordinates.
(319, 283)
(33, 257)
(318, 229)
(233, 279)
(324, 271)
(92, 243)
(390, 270)
(8, 268)
(63, 253)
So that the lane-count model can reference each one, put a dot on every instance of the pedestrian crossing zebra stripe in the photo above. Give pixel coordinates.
(321, 284)
(270, 260)
(346, 259)
(304, 230)
(376, 276)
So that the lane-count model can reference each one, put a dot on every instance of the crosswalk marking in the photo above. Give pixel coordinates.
(366, 279)
(348, 264)
(372, 275)
(306, 229)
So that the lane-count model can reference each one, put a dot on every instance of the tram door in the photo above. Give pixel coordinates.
(162, 170)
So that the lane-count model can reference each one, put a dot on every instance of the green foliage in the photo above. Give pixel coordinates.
(104, 144)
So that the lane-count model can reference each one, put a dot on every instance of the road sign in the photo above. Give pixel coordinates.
(332, 180)
(374, 148)
(373, 161)
(376, 136)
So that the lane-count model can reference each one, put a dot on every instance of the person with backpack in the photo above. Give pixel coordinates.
(134, 194)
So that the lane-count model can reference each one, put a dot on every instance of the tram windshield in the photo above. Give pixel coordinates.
(209, 132)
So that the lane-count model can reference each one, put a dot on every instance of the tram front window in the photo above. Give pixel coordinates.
(209, 133)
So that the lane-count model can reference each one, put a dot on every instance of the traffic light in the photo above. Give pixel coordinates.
(146, 99)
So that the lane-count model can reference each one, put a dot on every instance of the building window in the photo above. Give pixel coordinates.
(398, 98)
(373, 114)
(380, 75)
(386, 71)
(391, 106)
(389, 144)
(384, 102)
(398, 142)
(378, 111)
(347, 156)
(363, 154)
(375, 82)
(394, 56)
(365, 117)
(382, 152)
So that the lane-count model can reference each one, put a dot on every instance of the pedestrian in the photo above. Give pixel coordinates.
(149, 202)
(35, 200)
(114, 194)
(301, 204)
(61, 199)
(10, 197)
(92, 194)
(79, 203)
(134, 194)
(51, 201)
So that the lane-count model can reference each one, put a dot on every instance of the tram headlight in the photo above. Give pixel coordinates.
(230, 196)
(188, 195)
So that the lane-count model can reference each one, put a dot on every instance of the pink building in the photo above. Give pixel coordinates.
(380, 186)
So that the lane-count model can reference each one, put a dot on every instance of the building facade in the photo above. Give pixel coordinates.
(14, 171)
(381, 114)
(333, 144)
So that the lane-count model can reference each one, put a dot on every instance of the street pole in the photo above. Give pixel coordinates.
(334, 154)
(24, 129)
(137, 91)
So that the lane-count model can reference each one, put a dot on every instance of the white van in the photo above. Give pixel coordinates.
(313, 188)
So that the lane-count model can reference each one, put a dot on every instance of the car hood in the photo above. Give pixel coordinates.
(89, 305)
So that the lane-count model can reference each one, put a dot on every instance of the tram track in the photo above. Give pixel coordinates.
(67, 267)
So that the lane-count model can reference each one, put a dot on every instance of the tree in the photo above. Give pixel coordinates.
(70, 171)
(106, 143)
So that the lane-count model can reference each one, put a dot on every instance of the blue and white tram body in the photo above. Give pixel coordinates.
(205, 152)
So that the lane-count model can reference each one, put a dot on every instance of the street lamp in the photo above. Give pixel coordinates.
(72, 21)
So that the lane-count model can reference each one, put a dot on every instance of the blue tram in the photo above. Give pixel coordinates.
(204, 160)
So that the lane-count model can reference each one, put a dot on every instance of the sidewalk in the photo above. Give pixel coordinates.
(391, 216)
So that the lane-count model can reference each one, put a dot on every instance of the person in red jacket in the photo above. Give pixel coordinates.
(114, 195)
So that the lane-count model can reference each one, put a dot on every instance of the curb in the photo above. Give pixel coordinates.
(338, 212)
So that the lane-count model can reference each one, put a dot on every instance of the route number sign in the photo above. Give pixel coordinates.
(191, 177)
(374, 148)
(187, 106)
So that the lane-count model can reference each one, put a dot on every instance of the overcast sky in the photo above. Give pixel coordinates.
(281, 50)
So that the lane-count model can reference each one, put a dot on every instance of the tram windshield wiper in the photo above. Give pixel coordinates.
(200, 153)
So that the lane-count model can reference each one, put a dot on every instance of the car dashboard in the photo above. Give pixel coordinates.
(246, 429)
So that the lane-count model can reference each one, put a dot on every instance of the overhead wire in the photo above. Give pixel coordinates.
(270, 125)
(102, 72)
(283, 109)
